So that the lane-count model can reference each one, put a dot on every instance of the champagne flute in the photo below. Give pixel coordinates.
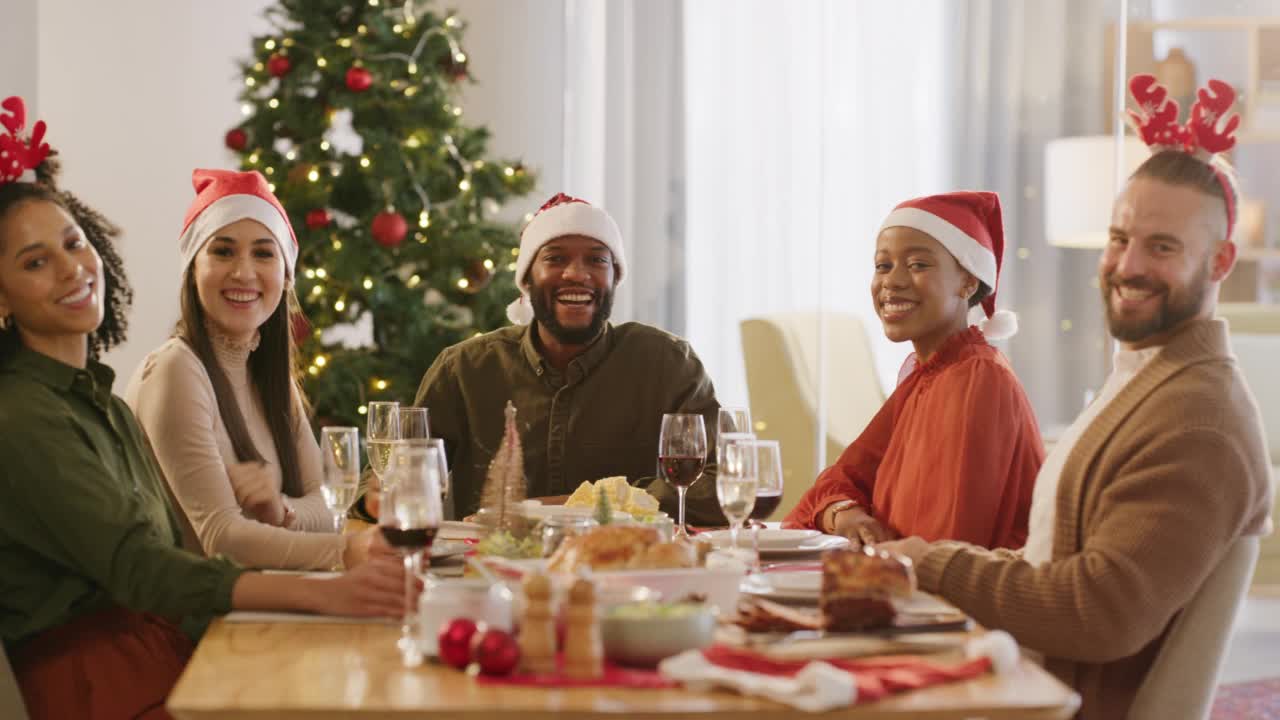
(736, 484)
(682, 455)
(410, 517)
(381, 435)
(340, 451)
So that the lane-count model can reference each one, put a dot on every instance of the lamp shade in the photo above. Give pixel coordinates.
(1080, 187)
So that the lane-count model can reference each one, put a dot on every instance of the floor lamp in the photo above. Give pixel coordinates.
(1081, 181)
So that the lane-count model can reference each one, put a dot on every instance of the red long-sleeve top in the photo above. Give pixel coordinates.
(953, 453)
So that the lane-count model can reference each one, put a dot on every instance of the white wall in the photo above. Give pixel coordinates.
(137, 93)
(18, 53)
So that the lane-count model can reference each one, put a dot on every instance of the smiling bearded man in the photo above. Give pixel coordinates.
(590, 395)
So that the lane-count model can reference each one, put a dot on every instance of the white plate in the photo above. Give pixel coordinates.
(784, 585)
(810, 547)
(770, 539)
(449, 548)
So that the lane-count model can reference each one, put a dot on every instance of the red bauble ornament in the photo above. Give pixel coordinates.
(300, 327)
(318, 218)
(454, 641)
(236, 139)
(359, 79)
(495, 651)
(278, 65)
(389, 228)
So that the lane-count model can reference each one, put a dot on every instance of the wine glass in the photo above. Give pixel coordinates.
(443, 463)
(733, 419)
(682, 455)
(768, 487)
(381, 435)
(410, 517)
(340, 451)
(736, 479)
(413, 424)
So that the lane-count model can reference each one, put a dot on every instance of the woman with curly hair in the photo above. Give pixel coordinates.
(100, 602)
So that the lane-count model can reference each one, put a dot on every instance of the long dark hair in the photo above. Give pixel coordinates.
(101, 233)
(272, 373)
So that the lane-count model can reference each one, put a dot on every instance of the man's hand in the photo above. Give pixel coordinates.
(860, 527)
(256, 493)
(913, 547)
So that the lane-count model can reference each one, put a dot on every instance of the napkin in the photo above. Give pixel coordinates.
(816, 686)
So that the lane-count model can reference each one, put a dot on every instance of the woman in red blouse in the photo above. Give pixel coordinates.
(954, 452)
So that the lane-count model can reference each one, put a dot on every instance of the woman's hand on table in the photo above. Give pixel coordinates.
(913, 547)
(362, 545)
(860, 527)
(256, 493)
(375, 588)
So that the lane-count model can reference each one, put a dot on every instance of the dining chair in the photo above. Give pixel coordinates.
(11, 705)
(780, 353)
(1184, 675)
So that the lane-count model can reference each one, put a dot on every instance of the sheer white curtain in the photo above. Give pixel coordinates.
(806, 122)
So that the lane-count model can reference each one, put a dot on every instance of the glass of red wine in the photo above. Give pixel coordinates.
(768, 487)
(682, 455)
(410, 517)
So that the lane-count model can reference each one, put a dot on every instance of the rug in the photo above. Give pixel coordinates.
(1257, 700)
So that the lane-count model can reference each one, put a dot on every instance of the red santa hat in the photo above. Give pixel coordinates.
(560, 216)
(968, 224)
(225, 196)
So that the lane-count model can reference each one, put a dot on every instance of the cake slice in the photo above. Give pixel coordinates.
(858, 588)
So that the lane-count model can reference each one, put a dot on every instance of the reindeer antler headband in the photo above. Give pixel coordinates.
(18, 158)
(1157, 123)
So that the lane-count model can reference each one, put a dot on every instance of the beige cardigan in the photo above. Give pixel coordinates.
(173, 398)
(1163, 481)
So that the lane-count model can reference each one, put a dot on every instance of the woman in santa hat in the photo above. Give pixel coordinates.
(219, 401)
(955, 450)
(100, 604)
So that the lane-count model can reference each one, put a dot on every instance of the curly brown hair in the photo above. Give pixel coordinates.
(101, 233)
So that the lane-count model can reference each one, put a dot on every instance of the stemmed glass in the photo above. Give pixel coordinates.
(682, 455)
(381, 435)
(409, 519)
(413, 425)
(768, 487)
(732, 419)
(736, 479)
(442, 463)
(340, 451)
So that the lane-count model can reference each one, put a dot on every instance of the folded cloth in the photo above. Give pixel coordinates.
(614, 676)
(816, 686)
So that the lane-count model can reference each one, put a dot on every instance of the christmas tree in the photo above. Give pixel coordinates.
(351, 112)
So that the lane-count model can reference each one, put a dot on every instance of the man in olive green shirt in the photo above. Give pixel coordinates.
(590, 396)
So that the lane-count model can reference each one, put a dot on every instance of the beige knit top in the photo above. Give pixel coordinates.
(173, 398)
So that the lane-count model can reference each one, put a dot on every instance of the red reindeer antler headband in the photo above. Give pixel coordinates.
(1157, 124)
(16, 156)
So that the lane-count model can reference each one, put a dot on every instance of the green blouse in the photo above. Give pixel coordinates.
(85, 519)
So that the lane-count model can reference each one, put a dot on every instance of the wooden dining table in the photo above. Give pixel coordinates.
(320, 670)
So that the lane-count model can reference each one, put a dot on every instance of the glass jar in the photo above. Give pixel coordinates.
(558, 527)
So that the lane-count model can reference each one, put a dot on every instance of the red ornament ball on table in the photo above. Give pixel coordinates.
(278, 65)
(454, 641)
(389, 228)
(495, 651)
(318, 218)
(358, 79)
(236, 139)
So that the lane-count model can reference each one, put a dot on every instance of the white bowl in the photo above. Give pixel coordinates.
(646, 641)
(719, 586)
